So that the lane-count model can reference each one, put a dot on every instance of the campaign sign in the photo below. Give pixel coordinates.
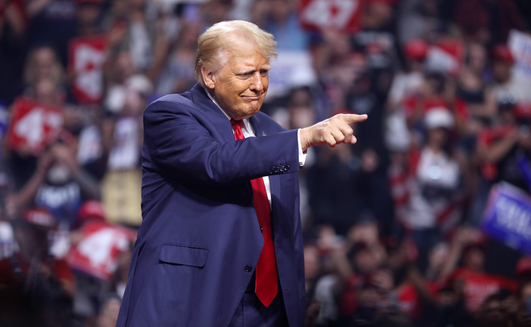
(507, 217)
(520, 45)
(99, 249)
(339, 15)
(87, 55)
(33, 125)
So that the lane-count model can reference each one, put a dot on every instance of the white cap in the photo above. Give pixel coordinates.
(439, 117)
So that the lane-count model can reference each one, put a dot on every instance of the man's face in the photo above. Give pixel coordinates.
(501, 71)
(474, 259)
(241, 85)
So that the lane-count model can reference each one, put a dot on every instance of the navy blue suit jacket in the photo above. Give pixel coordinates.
(200, 234)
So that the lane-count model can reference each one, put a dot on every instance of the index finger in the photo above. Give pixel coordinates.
(353, 118)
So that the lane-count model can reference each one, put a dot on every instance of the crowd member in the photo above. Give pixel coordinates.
(13, 26)
(487, 21)
(134, 31)
(438, 93)
(338, 167)
(42, 64)
(471, 280)
(408, 83)
(88, 289)
(259, 12)
(38, 288)
(428, 188)
(284, 25)
(505, 83)
(472, 89)
(88, 14)
(59, 184)
(502, 309)
(51, 22)
(178, 74)
(497, 153)
(352, 197)
(215, 11)
(422, 19)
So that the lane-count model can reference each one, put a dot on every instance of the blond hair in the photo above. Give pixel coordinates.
(215, 43)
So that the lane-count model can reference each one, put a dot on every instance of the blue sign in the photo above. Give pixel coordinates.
(507, 217)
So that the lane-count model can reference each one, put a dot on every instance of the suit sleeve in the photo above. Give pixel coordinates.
(180, 147)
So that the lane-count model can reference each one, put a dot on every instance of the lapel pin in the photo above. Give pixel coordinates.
(263, 134)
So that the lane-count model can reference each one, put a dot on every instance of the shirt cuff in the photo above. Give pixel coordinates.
(302, 155)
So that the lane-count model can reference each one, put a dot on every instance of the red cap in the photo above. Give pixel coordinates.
(523, 266)
(91, 210)
(416, 49)
(502, 52)
(40, 217)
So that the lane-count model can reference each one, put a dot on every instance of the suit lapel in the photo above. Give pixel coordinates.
(214, 114)
(258, 125)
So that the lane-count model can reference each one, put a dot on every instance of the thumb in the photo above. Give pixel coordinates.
(353, 118)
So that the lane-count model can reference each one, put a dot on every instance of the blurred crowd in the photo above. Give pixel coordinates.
(392, 225)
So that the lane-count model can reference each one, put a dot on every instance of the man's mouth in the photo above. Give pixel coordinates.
(252, 98)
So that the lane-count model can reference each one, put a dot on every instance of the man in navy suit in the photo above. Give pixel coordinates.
(220, 243)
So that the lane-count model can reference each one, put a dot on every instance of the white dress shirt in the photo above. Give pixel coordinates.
(248, 131)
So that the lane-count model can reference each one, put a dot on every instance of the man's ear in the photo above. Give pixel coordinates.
(208, 78)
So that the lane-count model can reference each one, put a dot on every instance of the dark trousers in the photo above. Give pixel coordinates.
(252, 313)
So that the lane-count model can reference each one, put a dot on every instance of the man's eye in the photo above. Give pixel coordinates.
(246, 74)
(264, 72)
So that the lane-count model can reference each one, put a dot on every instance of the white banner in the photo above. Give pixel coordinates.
(520, 45)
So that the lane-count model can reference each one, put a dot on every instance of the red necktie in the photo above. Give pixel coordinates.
(266, 287)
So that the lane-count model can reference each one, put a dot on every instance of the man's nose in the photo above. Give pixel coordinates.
(256, 82)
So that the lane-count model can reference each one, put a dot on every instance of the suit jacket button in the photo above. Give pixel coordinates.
(287, 167)
(248, 268)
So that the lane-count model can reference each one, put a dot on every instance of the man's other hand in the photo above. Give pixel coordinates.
(331, 131)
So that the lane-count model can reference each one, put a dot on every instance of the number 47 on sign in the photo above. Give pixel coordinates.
(33, 125)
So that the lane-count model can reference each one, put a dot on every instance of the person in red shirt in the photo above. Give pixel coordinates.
(471, 281)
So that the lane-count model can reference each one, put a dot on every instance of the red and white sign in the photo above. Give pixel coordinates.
(99, 249)
(478, 286)
(87, 55)
(33, 125)
(339, 15)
